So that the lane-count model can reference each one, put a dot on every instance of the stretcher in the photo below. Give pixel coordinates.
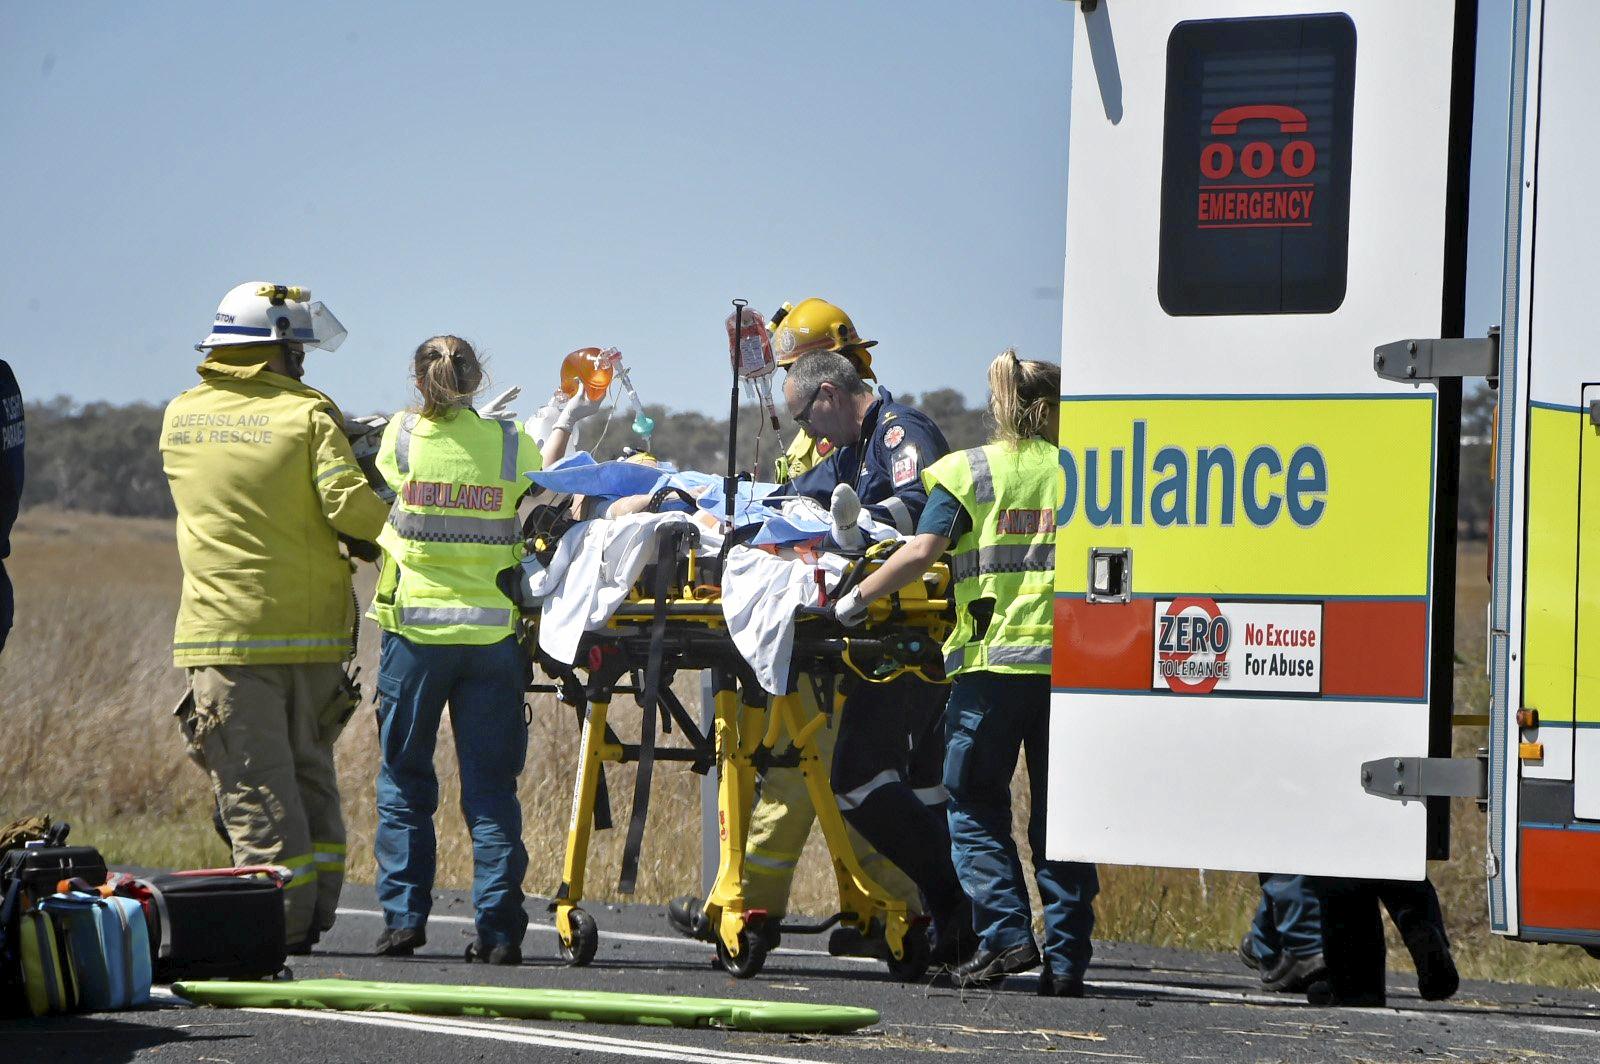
(672, 620)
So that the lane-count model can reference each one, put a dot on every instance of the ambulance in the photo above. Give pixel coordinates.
(1262, 372)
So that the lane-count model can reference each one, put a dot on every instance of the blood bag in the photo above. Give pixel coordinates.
(751, 350)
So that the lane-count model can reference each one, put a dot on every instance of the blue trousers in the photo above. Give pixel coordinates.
(989, 719)
(483, 686)
(1288, 920)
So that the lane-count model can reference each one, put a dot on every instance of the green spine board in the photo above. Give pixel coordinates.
(594, 1006)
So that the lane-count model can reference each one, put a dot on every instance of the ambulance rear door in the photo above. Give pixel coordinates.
(1544, 770)
(1257, 198)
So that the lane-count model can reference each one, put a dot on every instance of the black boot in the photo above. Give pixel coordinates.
(989, 966)
(687, 915)
(399, 941)
(1437, 978)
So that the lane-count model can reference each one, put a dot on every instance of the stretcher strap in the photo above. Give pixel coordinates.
(650, 706)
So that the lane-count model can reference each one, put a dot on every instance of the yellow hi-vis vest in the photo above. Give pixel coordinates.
(805, 453)
(1008, 557)
(453, 529)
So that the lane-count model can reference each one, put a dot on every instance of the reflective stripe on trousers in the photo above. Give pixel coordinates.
(1009, 558)
(439, 616)
(853, 798)
(302, 870)
(329, 856)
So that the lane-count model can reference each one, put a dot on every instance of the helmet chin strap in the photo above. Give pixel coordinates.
(290, 361)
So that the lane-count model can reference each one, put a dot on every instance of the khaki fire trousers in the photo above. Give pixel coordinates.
(264, 734)
(781, 823)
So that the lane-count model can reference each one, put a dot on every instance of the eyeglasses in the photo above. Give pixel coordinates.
(803, 418)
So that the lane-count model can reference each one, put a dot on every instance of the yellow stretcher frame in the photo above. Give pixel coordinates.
(745, 723)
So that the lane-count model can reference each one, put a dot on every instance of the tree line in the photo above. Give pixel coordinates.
(104, 457)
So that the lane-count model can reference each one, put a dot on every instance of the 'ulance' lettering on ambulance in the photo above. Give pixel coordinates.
(1211, 485)
(449, 496)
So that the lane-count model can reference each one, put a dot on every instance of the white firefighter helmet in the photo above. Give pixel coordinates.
(260, 313)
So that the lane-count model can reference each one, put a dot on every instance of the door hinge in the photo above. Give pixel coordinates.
(1404, 778)
(1416, 361)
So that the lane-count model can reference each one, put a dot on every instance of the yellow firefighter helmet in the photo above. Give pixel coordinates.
(817, 325)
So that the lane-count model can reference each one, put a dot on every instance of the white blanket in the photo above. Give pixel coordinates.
(760, 593)
(597, 563)
(595, 566)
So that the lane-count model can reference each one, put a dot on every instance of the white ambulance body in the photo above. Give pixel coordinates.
(1256, 555)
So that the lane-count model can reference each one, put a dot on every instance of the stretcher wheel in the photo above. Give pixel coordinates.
(753, 946)
(911, 967)
(585, 939)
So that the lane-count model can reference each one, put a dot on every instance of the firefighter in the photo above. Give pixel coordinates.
(782, 818)
(449, 635)
(10, 484)
(889, 748)
(265, 484)
(814, 325)
(996, 505)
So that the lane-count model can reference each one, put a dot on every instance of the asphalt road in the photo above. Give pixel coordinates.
(1143, 1005)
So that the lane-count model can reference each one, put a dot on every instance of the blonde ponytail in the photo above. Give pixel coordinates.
(448, 375)
(1022, 395)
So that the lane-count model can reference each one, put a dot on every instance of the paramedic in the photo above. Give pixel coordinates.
(10, 484)
(265, 484)
(890, 747)
(449, 635)
(996, 504)
(781, 820)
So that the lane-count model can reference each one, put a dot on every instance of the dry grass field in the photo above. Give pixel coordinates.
(85, 722)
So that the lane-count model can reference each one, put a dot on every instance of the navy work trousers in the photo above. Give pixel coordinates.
(989, 719)
(483, 686)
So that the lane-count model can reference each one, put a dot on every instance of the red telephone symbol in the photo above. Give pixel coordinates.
(1257, 158)
(1289, 119)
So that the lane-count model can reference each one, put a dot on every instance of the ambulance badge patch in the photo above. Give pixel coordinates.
(893, 435)
(904, 470)
(824, 448)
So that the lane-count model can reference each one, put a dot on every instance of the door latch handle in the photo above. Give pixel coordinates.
(1110, 574)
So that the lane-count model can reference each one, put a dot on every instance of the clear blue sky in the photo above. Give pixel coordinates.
(539, 177)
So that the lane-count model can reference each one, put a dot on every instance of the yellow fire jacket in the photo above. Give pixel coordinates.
(263, 480)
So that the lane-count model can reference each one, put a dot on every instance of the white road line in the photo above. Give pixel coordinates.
(1244, 997)
(554, 1039)
(626, 936)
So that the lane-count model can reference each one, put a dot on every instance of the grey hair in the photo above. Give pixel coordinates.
(826, 367)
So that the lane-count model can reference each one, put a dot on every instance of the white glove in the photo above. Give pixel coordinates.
(850, 610)
(576, 409)
(843, 511)
(496, 407)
